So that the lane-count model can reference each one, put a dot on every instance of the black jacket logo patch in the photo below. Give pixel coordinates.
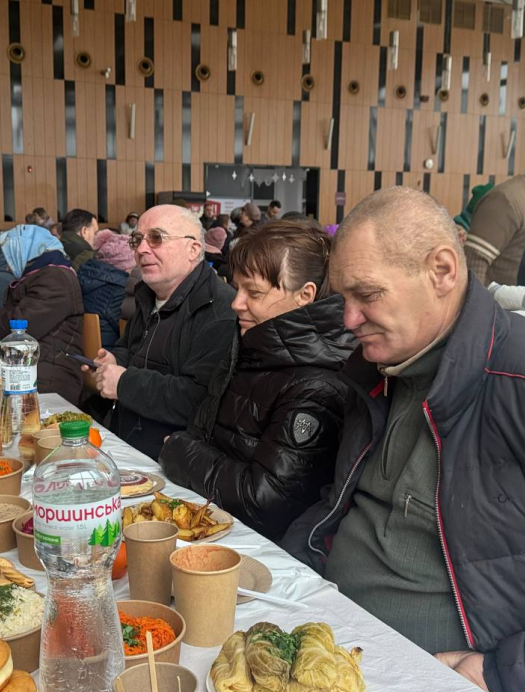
(304, 427)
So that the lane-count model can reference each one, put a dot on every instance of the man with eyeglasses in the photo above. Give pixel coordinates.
(159, 370)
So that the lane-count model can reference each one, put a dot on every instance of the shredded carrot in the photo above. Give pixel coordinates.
(161, 633)
(5, 468)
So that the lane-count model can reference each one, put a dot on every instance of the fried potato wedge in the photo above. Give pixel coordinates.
(182, 516)
(127, 517)
(161, 511)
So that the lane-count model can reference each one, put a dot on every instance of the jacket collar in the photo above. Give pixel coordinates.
(311, 335)
(196, 289)
(481, 326)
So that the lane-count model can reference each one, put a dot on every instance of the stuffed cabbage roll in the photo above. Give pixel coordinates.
(230, 672)
(349, 677)
(270, 653)
(315, 661)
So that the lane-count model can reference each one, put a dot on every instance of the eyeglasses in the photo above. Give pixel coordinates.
(154, 238)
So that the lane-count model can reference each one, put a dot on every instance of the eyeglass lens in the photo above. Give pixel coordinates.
(153, 239)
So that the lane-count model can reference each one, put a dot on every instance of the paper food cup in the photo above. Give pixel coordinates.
(25, 649)
(11, 483)
(149, 545)
(26, 544)
(45, 445)
(7, 535)
(137, 679)
(167, 654)
(205, 583)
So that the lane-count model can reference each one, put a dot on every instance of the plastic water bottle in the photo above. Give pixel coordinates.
(20, 412)
(77, 526)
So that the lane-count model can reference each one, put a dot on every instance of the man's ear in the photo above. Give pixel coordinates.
(443, 269)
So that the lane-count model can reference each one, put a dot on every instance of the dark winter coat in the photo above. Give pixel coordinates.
(128, 304)
(103, 290)
(169, 358)
(78, 250)
(264, 441)
(49, 298)
(474, 411)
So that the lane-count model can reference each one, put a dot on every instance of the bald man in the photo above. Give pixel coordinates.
(159, 370)
(423, 525)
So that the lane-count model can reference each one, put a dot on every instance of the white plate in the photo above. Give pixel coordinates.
(209, 683)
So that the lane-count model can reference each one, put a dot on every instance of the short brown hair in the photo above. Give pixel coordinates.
(287, 254)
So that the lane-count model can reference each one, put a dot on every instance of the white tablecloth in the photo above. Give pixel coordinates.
(391, 663)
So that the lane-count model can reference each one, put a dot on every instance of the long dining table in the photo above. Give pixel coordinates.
(391, 663)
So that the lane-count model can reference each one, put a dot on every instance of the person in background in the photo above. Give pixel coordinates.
(79, 228)
(103, 282)
(422, 525)
(208, 217)
(42, 218)
(30, 220)
(464, 219)
(496, 239)
(130, 224)
(223, 221)
(128, 304)
(6, 276)
(214, 240)
(264, 441)
(250, 216)
(56, 230)
(45, 292)
(158, 372)
(294, 216)
(272, 212)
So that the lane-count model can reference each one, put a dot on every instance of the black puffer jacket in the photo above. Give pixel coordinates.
(103, 290)
(169, 358)
(265, 439)
(475, 411)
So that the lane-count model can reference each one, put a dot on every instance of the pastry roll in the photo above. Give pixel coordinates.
(230, 672)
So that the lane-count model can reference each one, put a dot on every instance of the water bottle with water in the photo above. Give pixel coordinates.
(77, 528)
(20, 412)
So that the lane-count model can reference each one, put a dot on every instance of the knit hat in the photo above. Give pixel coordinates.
(216, 237)
(252, 211)
(114, 249)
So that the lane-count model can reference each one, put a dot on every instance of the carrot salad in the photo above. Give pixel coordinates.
(134, 633)
(5, 468)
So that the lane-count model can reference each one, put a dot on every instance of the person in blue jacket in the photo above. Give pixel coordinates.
(103, 282)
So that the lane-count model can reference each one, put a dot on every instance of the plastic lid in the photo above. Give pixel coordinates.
(18, 324)
(74, 429)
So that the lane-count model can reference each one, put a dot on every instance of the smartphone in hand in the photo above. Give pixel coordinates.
(82, 360)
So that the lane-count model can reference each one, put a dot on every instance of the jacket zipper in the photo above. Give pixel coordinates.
(440, 532)
(331, 513)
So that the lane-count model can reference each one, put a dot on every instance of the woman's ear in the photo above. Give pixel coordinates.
(306, 294)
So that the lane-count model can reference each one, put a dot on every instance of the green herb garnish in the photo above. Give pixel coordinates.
(128, 634)
(7, 600)
(172, 504)
(286, 644)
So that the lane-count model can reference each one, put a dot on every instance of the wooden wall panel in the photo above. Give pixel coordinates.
(263, 44)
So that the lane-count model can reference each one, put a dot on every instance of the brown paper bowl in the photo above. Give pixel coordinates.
(7, 534)
(11, 483)
(167, 654)
(25, 649)
(137, 679)
(26, 544)
(45, 445)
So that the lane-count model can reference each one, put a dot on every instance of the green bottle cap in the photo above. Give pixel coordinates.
(74, 429)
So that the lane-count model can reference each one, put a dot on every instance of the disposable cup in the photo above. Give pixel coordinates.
(137, 679)
(205, 582)
(149, 545)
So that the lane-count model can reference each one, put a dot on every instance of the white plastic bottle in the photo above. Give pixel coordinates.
(20, 412)
(77, 526)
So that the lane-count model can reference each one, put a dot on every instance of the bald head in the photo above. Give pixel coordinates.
(407, 226)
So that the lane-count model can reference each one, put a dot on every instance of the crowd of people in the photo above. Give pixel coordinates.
(354, 392)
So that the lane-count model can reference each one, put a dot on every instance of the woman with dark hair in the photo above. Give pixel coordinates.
(264, 441)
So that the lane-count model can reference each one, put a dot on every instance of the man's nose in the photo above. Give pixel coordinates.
(353, 316)
(143, 247)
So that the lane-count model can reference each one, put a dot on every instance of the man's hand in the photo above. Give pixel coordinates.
(106, 378)
(469, 664)
(105, 357)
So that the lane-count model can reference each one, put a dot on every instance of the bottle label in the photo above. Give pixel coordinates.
(97, 522)
(18, 379)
